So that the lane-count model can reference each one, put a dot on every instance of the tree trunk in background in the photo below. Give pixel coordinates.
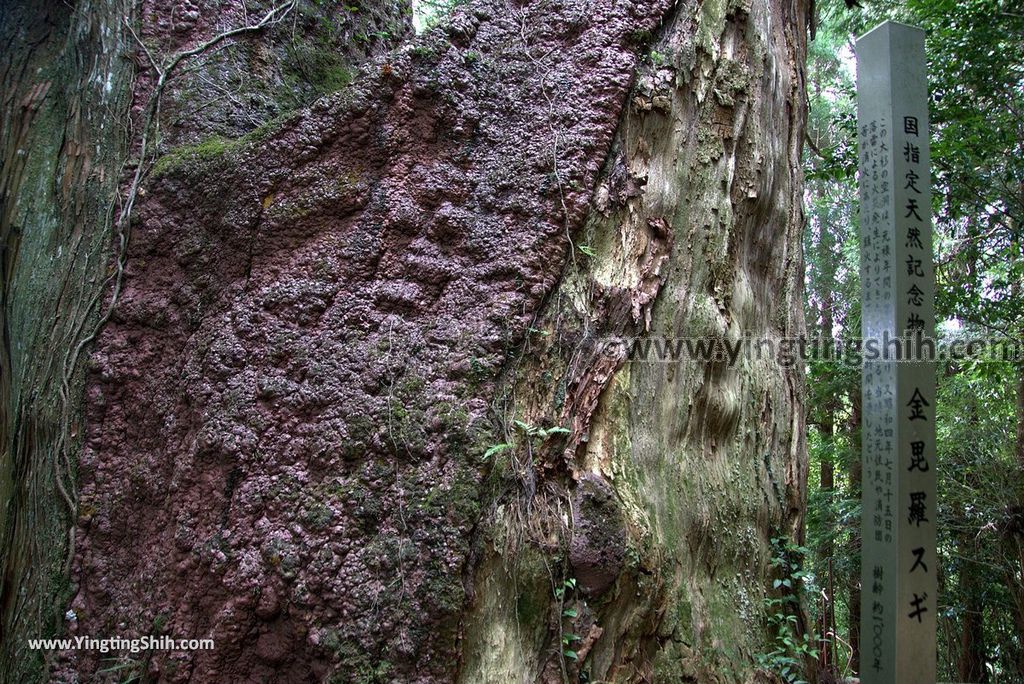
(355, 413)
(1013, 534)
(856, 471)
(970, 661)
(827, 619)
(826, 259)
(1019, 446)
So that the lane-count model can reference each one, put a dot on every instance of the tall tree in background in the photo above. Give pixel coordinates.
(977, 110)
(309, 358)
(830, 243)
(979, 103)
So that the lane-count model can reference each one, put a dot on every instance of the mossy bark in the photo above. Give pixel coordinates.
(76, 79)
(694, 233)
(356, 411)
(66, 89)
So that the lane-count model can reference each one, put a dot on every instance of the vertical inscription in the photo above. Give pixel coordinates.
(898, 290)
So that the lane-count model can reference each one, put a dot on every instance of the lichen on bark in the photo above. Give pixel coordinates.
(64, 95)
(694, 233)
(73, 115)
(329, 316)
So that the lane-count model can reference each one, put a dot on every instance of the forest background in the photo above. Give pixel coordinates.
(975, 53)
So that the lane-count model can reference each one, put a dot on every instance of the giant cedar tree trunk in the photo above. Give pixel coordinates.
(319, 424)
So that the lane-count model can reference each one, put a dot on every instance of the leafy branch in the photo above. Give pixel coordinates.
(790, 648)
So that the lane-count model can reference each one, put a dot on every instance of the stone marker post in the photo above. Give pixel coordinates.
(898, 588)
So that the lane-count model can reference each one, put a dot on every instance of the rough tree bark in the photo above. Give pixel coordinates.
(354, 413)
(62, 146)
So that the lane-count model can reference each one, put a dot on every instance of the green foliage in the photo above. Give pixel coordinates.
(214, 150)
(324, 68)
(496, 449)
(832, 310)
(659, 58)
(790, 647)
(975, 53)
(540, 434)
(980, 518)
(567, 587)
(430, 13)
(422, 51)
(563, 594)
(211, 149)
(371, 36)
(976, 86)
(536, 436)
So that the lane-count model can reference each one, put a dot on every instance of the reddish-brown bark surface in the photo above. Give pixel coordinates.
(287, 410)
(333, 307)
